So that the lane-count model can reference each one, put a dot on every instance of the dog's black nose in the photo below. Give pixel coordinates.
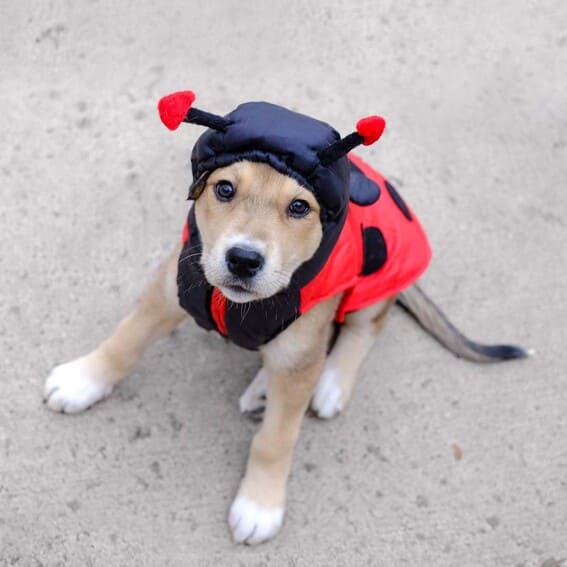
(243, 262)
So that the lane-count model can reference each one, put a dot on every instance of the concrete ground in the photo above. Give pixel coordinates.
(93, 191)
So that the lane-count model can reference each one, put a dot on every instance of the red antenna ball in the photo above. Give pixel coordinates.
(174, 107)
(370, 128)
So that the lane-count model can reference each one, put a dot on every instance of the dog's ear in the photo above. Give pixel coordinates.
(197, 187)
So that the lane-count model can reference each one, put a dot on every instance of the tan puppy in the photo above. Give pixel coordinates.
(294, 361)
(296, 368)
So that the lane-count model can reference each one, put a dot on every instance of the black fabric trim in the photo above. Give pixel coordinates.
(256, 323)
(397, 198)
(374, 250)
(193, 289)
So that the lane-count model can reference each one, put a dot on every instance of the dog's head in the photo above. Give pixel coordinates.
(257, 227)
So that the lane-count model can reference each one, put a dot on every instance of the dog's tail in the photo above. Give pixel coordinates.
(435, 322)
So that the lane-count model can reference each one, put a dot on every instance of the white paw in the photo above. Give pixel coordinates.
(253, 524)
(70, 388)
(327, 400)
(253, 402)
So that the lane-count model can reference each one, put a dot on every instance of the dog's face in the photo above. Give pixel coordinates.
(257, 227)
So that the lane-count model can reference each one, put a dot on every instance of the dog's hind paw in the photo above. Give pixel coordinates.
(253, 402)
(328, 400)
(70, 387)
(252, 523)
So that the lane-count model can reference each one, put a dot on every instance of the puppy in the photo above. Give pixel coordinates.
(279, 253)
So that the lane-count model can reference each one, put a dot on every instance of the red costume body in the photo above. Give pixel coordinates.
(405, 256)
(407, 247)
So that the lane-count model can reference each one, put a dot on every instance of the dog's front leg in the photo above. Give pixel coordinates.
(76, 385)
(294, 361)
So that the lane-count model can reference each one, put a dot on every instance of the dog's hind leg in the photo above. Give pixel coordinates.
(76, 385)
(252, 403)
(355, 339)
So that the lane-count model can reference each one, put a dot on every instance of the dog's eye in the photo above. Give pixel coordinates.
(224, 191)
(298, 208)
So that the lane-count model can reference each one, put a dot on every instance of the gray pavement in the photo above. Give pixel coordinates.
(92, 196)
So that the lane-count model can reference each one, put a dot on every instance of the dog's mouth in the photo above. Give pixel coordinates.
(239, 292)
(244, 289)
(236, 288)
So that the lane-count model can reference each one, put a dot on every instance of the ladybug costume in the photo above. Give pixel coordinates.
(372, 246)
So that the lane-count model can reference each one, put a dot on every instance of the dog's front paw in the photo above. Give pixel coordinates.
(328, 398)
(252, 523)
(71, 387)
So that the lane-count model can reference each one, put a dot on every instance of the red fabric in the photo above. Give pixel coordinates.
(370, 128)
(185, 235)
(407, 247)
(218, 311)
(174, 107)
